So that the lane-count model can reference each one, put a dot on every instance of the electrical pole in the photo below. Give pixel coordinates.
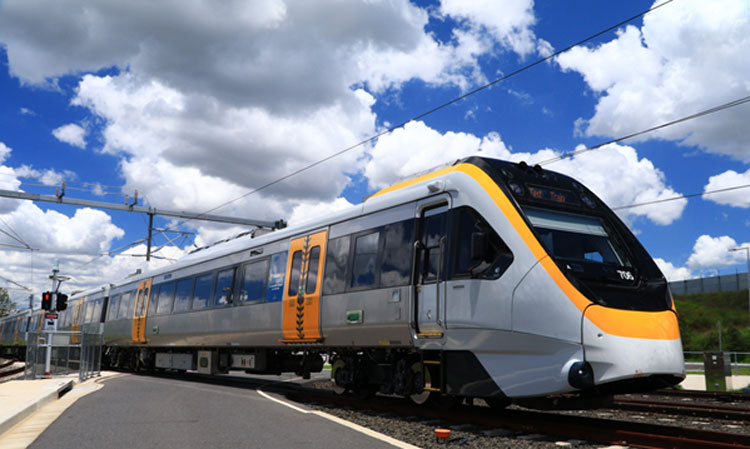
(747, 253)
(48, 354)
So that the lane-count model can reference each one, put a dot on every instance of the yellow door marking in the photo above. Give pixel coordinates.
(139, 312)
(301, 311)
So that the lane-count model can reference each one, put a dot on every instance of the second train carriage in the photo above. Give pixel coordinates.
(484, 279)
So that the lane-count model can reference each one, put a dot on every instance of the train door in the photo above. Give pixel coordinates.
(139, 313)
(76, 323)
(301, 306)
(17, 330)
(429, 278)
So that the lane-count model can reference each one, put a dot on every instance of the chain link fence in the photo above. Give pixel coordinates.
(69, 352)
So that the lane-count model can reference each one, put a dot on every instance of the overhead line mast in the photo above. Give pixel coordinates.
(60, 198)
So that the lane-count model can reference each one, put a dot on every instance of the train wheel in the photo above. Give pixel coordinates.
(421, 381)
(337, 365)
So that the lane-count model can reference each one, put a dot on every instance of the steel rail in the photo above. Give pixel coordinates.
(686, 409)
(11, 372)
(725, 396)
(599, 430)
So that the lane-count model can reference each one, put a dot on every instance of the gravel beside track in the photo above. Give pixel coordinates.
(420, 432)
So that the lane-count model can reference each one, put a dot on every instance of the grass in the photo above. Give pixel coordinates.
(699, 313)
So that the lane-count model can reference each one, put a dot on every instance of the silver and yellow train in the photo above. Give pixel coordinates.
(483, 279)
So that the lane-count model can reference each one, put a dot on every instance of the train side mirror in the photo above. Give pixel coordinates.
(478, 246)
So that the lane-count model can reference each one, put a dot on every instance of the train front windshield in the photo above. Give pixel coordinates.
(575, 238)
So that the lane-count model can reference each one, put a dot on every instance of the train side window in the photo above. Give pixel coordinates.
(365, 263)
(153, 300)
(202, 291)
(182, 295)
(337, 258)
(494, 256)
(253, 285)
(294, 276)
(127, 306)
(396, 268)
(276, 277)
(165, 298)
(224, 284)
(114, 303)
(429, 259)
(312, 270)
(89, 314)
(97, 315)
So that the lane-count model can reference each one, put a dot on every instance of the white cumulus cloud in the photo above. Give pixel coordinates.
(712, 252)
(672, 272)
(71, 134)
(688, 56)
(729, 179)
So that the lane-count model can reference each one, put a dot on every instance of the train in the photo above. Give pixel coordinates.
(480, 279)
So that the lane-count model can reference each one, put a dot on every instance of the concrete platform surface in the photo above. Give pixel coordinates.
(698, 382)
(20, 398)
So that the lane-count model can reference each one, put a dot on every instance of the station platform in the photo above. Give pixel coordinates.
(21, 398)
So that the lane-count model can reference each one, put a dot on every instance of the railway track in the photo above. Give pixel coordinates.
(6, 362)
(720, 396)
(712, 411)
(606, 431)
(7, 370)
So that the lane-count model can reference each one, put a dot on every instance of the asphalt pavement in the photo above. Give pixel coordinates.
(148, 412)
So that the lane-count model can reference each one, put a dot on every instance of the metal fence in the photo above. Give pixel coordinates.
(738, 361)
(725, 283)
(68, 352)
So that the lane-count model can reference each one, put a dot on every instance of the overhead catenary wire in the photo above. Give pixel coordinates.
(705, 112)
(432, 110)
(679, 197)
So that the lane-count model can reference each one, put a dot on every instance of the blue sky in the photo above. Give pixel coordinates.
(194, 104)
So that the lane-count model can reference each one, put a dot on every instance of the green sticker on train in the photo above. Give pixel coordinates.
(354, 316)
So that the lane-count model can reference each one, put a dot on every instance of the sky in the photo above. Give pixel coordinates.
(195, 104)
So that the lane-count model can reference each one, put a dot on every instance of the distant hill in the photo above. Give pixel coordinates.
(698, 314)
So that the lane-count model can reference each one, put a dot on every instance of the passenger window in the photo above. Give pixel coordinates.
(114, 303)
(336, 261)
(165, 298)
(202, 292)
(153, 300)
(97, 315)
(396, 268)
(182, 295)
(253, 287)
(312, 270)
(432, 234)
(294, 277)
(224, 283)
(89, 312)
(276, 277)
(365, 264)
(127, 306)
(496, 257)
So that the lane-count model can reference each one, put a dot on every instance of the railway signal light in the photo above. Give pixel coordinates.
(47, 300)
(62, 302)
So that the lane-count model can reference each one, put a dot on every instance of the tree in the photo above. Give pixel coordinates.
(6, 305)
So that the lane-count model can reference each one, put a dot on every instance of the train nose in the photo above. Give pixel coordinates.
(622, 344)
